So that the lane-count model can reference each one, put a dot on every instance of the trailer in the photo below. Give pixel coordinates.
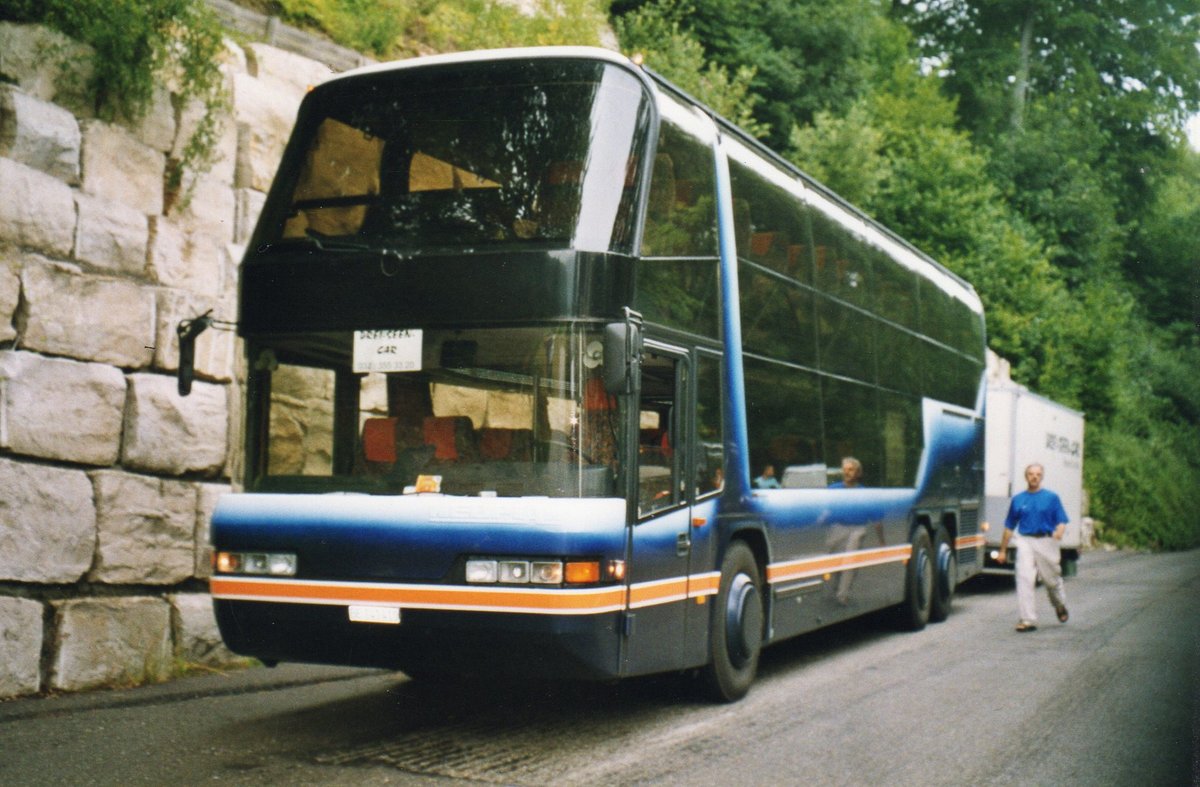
(1025, 428)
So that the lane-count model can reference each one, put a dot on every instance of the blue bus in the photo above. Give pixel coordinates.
(553, 372)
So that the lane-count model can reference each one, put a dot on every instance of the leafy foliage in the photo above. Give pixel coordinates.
(374, 27)
(398, 28)
(655, 32)
(138, 43)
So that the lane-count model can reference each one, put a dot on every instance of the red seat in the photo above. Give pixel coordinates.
(379, 439)
(452, 437)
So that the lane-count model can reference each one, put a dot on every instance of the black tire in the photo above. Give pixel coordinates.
(736, 628)
(945, 576)
(913, 613)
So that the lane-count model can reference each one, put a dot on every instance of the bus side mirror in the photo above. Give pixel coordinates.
(622, 356)
(188, 331)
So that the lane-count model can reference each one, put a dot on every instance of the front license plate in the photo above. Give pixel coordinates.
(361, 613)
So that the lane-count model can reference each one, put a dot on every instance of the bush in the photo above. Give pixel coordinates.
(138, 44)
(1142, 490)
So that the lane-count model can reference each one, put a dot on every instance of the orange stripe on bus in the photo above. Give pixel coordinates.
(663, 591)
(797, 569)
(418, 596)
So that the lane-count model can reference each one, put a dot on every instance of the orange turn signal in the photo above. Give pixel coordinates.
(582, 572)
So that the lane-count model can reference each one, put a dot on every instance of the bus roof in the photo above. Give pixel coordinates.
(950, 282)
(486, 55)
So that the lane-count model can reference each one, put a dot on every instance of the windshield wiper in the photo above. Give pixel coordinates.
(325, 243)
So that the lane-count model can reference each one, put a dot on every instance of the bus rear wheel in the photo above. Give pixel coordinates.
(736, 630)
(945, 576)
(913, 612)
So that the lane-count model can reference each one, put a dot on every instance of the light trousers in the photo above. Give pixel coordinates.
(1038, 556)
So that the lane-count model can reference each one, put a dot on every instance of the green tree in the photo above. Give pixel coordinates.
(808, 55)
(655, 33)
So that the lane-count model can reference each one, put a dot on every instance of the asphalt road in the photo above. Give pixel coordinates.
(1111, 698)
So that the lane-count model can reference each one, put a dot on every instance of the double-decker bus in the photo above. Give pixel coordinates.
(524, 330)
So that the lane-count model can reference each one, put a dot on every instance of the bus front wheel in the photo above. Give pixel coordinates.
(736, 630)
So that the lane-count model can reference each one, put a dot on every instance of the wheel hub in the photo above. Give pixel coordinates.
(743, 620)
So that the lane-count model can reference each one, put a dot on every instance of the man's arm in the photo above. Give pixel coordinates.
(1002, 558)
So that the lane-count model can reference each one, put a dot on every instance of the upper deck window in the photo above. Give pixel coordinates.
(464, 157)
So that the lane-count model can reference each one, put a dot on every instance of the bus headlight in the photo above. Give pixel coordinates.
(546, 572)
(482, 571)
(514, 571)
(275, 564)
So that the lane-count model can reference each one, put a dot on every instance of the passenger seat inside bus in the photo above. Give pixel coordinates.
(452, 438)
(505, 445)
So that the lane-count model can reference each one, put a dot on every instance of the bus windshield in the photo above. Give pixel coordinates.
(491, 412)
(472, 157)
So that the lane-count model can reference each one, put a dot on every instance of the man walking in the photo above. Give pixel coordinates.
(1038, 518)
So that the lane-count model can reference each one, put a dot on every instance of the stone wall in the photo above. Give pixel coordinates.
(107, 476)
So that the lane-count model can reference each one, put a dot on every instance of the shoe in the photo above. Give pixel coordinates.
(1023, 626)
(1061, 609)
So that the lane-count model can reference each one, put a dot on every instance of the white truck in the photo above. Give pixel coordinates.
(1024, 428)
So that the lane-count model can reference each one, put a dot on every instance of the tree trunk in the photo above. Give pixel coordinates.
(1021, 83)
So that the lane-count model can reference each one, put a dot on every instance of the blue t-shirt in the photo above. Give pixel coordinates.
(1035, 513)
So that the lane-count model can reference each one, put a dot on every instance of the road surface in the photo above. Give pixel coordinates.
(1111, 698)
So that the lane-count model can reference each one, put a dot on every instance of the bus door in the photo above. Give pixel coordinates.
(661, 539)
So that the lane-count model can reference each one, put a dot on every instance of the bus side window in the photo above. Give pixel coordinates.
(658, 461)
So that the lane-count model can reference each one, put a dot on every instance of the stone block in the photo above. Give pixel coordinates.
(20, 646)
(173, 435)
(215, 348)
(223, 157)
(210, 210)
(47, 65)
(188, 260)
(156, 127)
(37, 210)
(283, 71)
(39, 134)
(118, 166)
(146, 529)
(47, 523)
(197, 638)
(264, 120)
(111, 236)
(102, 642)
(249, 205)
(91, 318)
(10, 293)
(234, 253)
(59, 409)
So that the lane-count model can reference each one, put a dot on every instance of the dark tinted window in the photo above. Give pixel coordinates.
(681, 214)
(710, 446)
(777, 317)
(783, 416)
(677, 279)
(772, 226)
(901, 355)
(852, 427)
(900, 431)
(895, 291)
(847, 340)
(503, 153)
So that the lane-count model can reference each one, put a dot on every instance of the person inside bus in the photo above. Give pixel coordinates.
(767, 480)
(846, 537)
